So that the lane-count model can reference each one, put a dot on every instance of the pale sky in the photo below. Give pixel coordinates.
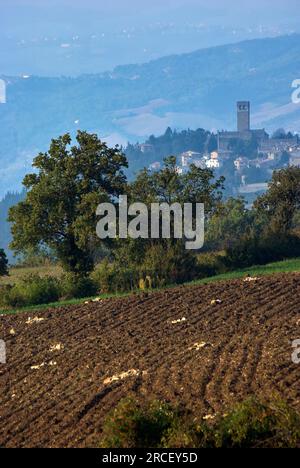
(29, 22)
(272, 9)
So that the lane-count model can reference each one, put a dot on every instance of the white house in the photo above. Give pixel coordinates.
(213, 164)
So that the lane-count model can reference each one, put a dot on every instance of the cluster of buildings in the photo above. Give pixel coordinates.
(202, 161)
(268, 153)
(206, 160)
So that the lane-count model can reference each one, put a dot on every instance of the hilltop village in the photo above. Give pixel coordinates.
(247, 157)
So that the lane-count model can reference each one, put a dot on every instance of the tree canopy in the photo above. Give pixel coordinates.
(59, 210)
(282, 200)
(167, 185)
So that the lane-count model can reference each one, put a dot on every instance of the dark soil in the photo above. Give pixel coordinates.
(244, 348)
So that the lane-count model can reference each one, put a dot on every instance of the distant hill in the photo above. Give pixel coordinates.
(132, 102)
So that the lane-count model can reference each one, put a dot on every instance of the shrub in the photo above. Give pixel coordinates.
(184, 435)
(210, 264)
(111, 278)
(250, 424)
(253, 250)
(76, 287)
(243, 254)
(36, 290)
(253, 424)
(131, 426)
(32, 290)
(171, 264)
(178, 266)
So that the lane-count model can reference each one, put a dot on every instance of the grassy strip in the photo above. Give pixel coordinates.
(58, 304)
(286, 266)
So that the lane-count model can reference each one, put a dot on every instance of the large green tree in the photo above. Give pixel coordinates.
(230, 221)
(271, 236)
(59, 210)
(281, 202)
(168, 186)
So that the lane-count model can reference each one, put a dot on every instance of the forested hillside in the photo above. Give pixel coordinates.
(172, 142)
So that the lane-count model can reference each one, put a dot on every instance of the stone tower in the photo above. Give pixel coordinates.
(243, 116)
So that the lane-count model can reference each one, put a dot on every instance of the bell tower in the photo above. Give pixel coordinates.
(243, 116)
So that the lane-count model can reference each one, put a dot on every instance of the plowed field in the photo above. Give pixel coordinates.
(204, 346)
